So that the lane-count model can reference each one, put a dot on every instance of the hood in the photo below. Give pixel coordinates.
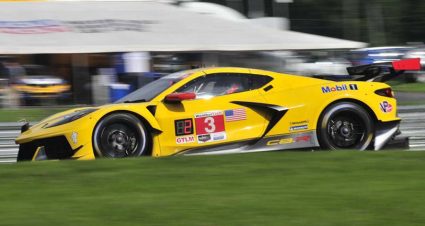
(61, 115)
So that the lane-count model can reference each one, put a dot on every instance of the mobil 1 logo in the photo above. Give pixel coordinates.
(337, 88)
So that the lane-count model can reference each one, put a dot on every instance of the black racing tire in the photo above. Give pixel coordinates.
(345, 125)
(120, 135)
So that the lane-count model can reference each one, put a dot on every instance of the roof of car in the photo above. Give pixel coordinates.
(231, 69)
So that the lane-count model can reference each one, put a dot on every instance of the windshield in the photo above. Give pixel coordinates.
(153, 89)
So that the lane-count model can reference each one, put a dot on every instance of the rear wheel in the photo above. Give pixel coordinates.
(120, 135)
(345, 125)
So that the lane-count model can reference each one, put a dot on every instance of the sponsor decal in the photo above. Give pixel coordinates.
(219, 136)
(328, 89)
(204, 138)
(74, 137)
(78, 26)
(280, 141)
(299, 122)
(343, 87)
(209, 126)
(185, 139)
(33, 27)
(183, 127)
(299, 127)
(210, 122)
(353, 87)
(208, 114)
(304, 138)
(289, 140)
(235, 115)
(385, 107)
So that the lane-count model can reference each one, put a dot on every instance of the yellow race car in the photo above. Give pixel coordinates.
(226, 110)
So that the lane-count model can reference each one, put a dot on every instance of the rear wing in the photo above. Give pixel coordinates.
(384, 71)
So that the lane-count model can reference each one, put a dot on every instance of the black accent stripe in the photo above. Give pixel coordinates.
(77, 149)
(25, 127)
(152, 109)
(267, 88)
(277, 112)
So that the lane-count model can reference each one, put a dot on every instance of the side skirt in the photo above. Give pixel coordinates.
(384, 132)
(272, 143)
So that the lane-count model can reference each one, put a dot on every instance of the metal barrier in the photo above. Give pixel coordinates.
(8, 149)
(412, 126)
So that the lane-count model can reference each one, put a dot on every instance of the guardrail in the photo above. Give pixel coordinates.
(412, 126)
(8, 149)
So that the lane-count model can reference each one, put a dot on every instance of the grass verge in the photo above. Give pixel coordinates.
(278, 188)
(30, 114)
(401, 86)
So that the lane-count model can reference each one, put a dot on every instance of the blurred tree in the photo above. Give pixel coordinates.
(317, 17)
(412, 20)
(375, 23)
(378, 22)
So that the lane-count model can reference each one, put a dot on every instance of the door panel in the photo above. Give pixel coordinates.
(205, 122)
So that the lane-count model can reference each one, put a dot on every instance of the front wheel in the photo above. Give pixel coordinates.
(345, 125)
(120, 135)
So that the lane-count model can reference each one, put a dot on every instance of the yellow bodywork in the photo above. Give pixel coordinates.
(304, 98)
(50, 89)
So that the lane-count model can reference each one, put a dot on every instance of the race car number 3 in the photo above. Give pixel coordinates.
(211, 122)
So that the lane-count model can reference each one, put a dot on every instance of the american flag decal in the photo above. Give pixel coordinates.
(235, 115)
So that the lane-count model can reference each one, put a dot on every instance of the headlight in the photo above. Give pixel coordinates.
(72, 117)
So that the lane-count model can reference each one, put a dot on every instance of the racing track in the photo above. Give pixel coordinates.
(412, 126)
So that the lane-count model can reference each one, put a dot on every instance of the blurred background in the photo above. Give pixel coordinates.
(306, 37)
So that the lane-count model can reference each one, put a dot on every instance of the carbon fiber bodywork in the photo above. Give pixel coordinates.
(54, 148)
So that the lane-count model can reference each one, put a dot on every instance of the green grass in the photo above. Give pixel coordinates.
(286, 188)
(410, 87)
(416, 87)
(30, 114)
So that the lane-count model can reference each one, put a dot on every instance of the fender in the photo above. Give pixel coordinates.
(142, 112)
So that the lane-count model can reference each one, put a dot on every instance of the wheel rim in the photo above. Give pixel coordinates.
(346, 130)
(119, 140)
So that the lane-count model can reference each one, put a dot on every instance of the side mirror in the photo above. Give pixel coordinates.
(179, 97)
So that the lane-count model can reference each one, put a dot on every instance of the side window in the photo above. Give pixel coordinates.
(194, 86)
(258, 81)
(217, 85)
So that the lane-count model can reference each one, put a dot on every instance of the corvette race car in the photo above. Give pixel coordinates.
(226, 110)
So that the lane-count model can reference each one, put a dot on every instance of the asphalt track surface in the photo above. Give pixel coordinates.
(412, 126)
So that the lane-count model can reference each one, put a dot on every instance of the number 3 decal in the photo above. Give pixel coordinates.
(210, 128)
(207, 123)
